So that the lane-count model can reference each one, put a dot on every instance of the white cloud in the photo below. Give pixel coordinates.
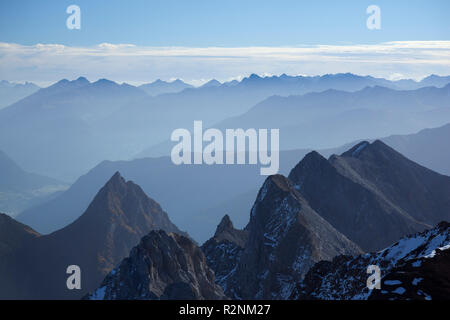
(131, 63)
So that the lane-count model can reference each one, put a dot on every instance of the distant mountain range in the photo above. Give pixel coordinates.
(118, 217)
(82, 123)
(305, 120)
(161, 87)
(427, 147)
(373, 112)
(20, 190)
(55, 130)
(11, 92)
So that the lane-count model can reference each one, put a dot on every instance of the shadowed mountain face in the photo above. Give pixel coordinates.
(118, 217)
(163, 266)
(414, 267)
(285, 238)
(13, 234)
(373, 194)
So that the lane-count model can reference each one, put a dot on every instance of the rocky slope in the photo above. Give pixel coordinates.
(285, 238)
(424, 278)
(403, 266)
(372, 190)
(223, 251)
(163, 266)
(13, 234)
(115, 221)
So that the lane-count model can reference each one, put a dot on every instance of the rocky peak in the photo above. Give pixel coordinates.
(372, 190)
(286, 237)
(226, 232)
(162, 266)
(224, 225)
(313, 162)
(356, 150)
(115, 221)
(223, 251)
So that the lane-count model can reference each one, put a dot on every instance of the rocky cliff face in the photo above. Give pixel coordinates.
(372, 194)
(285, 238)
(403, 266)
(162, 266)
(223, 251)
(115, 221)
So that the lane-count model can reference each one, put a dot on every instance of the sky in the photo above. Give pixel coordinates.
(142, 40)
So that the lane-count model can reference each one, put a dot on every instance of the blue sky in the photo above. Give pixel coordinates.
(222, 23)
(226, 24)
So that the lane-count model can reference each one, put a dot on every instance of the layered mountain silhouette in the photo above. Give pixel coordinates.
(372, 190)
(11, 92)
(285, 238)
(59, 131)
(20, 190)
(162, 267)
(235, 187)
(115, 221)
(105, 120)
(191, 185)
(373, 112)
(305, 120)
(160, 87)
(304, 231)
(426, 147)
(415, 267)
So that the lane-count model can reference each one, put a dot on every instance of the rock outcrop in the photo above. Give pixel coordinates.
(163, 266)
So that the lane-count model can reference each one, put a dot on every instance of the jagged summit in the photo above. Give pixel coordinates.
(286, 237)
(226, 232)
(163, 266)
(368, 149)
(356, 150)
(116, 182)
(373, 194)
(224, 225)
(115, 221)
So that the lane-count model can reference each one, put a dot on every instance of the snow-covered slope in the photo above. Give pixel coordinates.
(346, 277)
